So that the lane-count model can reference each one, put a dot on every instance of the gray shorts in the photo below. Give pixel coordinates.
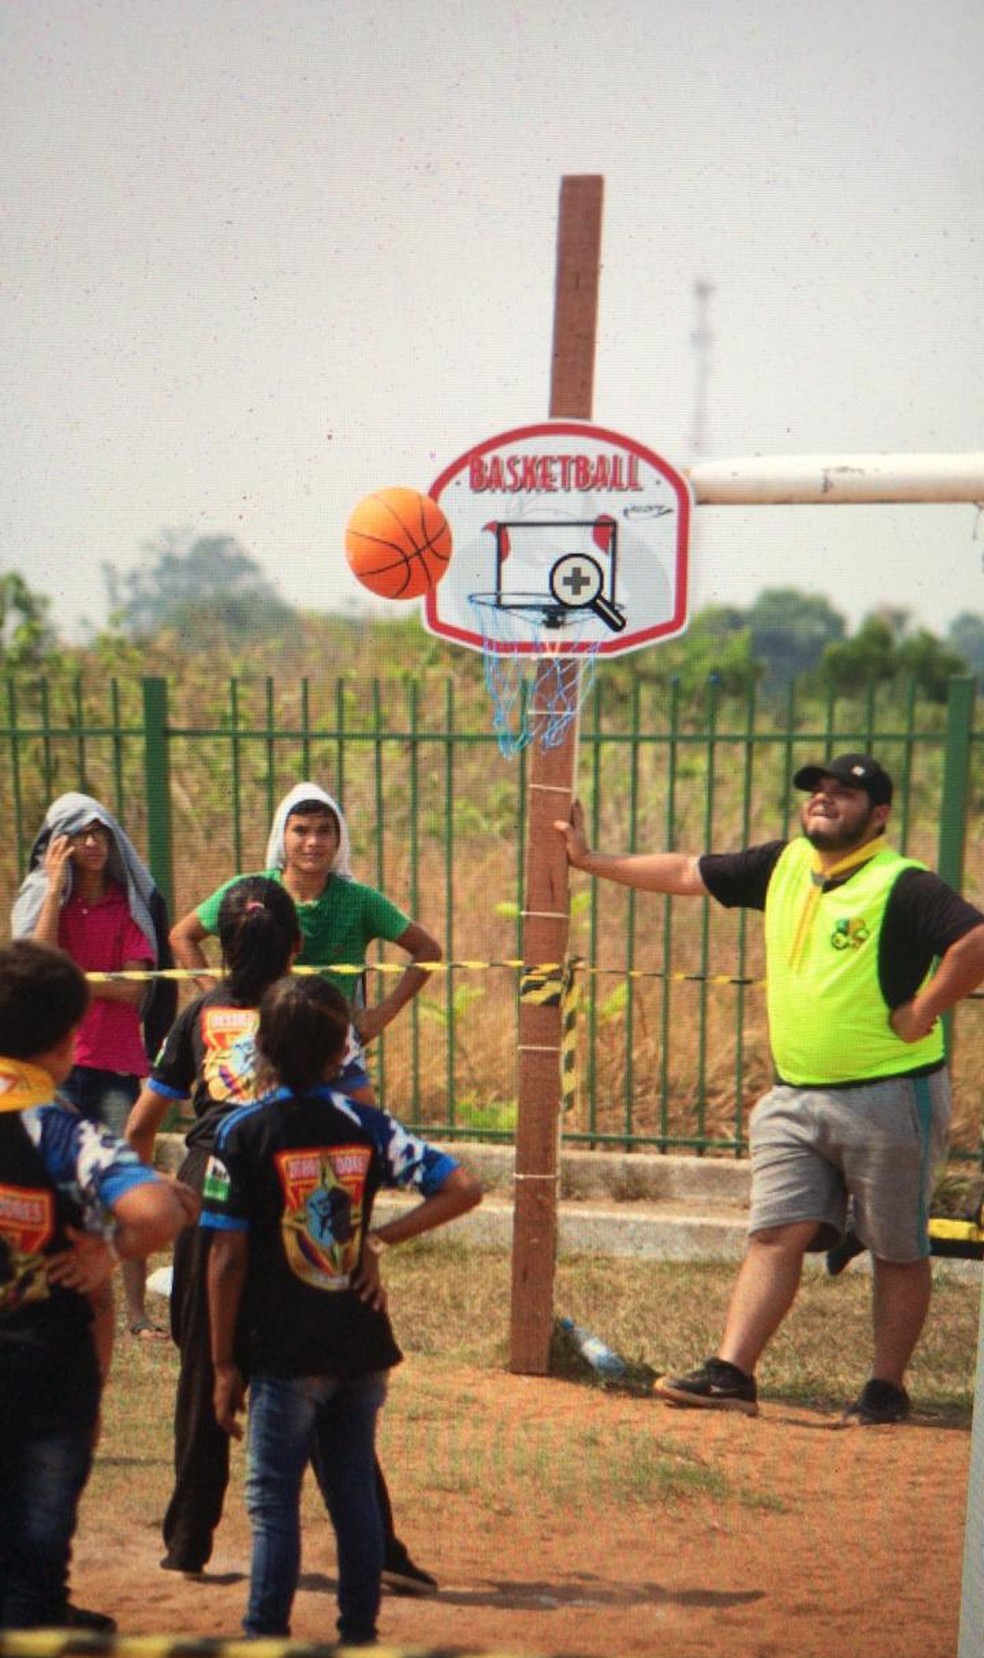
(879, 1145)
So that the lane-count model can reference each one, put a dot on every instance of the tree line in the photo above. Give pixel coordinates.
(210, 590)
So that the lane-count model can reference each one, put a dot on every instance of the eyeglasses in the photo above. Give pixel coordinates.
(93, 832)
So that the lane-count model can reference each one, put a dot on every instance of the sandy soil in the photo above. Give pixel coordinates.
(846, 1542)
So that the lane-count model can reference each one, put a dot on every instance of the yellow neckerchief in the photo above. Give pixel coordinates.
(819, 876)
(23, 1084)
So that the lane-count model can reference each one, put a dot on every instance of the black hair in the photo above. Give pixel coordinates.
(259, 932)
(302, 1032)
(314, 808)
(43, 996)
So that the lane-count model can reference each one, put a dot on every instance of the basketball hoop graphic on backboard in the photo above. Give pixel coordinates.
(568, 540)
(579, 560)
(570, 544)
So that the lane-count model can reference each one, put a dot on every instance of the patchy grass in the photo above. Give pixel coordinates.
(451, 1301)
(450, 1306)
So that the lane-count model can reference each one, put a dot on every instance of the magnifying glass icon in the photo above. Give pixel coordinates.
(576, 582)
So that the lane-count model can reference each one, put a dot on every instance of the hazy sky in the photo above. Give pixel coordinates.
(263, 258)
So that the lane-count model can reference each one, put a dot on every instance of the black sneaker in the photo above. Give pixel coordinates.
(878, 1403)
(170, 1564)
(78, 1617)
(402, 1577)
(717, 1385)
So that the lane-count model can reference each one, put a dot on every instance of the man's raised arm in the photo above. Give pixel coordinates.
(677, 873)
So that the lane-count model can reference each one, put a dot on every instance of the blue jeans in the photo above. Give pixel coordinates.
(105, 1097)
(41, 1482)
(292, 1420)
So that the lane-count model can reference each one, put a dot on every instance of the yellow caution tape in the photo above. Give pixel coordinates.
(542, 986)
(570, 1075)
(551, 972)
(957, 1231)
(64, 1643)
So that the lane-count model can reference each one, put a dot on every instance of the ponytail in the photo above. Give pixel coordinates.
(259, 934)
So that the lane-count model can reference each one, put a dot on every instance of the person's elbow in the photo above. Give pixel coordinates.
(185, 934)
(462, 1190)
(420, 945)
(975, 939)
(151, 1215)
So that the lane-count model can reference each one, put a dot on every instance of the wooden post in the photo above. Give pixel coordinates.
(545, 917)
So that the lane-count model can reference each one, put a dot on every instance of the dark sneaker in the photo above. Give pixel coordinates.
(877, 1403)
(78, 1617)
(170, 1564)
(844, 1252)
(402, 1577)
(717, 1385)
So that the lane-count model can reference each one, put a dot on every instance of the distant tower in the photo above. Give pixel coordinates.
(701, 339)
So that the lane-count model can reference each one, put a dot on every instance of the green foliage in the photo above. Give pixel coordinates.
(711, 649)
(489, 1119)
(882, 651)
(27, 637)
(851, 665)
(212, 585)
(462, 997)
(923, 658)
(613, 1006)
(791, 630)
(965, 635)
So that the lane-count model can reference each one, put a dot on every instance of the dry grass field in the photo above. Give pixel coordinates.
(560, 1518)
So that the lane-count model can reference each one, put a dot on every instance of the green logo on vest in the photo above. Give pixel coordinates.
(850, 933)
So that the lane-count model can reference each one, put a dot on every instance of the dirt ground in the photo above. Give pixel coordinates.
(828, 1542)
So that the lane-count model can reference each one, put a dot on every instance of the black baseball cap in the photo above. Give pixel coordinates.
(858, 771)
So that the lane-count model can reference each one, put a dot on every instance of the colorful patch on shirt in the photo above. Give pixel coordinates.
(850, 933)
(215, 1186)
(27, 1223)
(324, 1196)
(229, 1059)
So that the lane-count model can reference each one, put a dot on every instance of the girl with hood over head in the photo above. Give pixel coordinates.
(88, 891)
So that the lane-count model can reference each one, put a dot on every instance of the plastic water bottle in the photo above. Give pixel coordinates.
(594, 1351)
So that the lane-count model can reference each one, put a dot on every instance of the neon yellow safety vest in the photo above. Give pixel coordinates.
(828, 1019)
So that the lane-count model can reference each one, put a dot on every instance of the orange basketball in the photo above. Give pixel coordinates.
(398, 543)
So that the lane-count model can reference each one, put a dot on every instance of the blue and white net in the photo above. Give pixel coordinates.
(536, 691)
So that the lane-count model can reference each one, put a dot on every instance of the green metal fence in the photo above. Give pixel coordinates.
(670, 1031)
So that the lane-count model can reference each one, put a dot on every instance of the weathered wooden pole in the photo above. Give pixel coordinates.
(546, 911)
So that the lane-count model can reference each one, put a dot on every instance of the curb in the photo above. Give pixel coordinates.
(611, 1204)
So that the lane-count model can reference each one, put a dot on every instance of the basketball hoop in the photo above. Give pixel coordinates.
(538, 666)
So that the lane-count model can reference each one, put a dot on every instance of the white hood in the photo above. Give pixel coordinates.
(275, 857)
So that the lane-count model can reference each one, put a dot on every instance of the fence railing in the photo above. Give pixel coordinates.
(670, 1033)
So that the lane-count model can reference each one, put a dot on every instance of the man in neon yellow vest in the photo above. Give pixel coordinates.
(861, 1104)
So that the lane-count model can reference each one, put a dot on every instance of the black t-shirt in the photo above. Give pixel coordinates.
(209, 1057)
(49, 1378)
(299, 1176)
(923, 916)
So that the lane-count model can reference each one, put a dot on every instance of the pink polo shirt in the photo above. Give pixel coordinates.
(103, 937)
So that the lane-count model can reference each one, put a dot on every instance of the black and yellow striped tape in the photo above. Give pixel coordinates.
(63, 1643)
(570, 1075)
(962, 1238)
(547, 973)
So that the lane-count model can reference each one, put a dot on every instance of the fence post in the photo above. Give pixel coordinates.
(956, 778)
(157, 786)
